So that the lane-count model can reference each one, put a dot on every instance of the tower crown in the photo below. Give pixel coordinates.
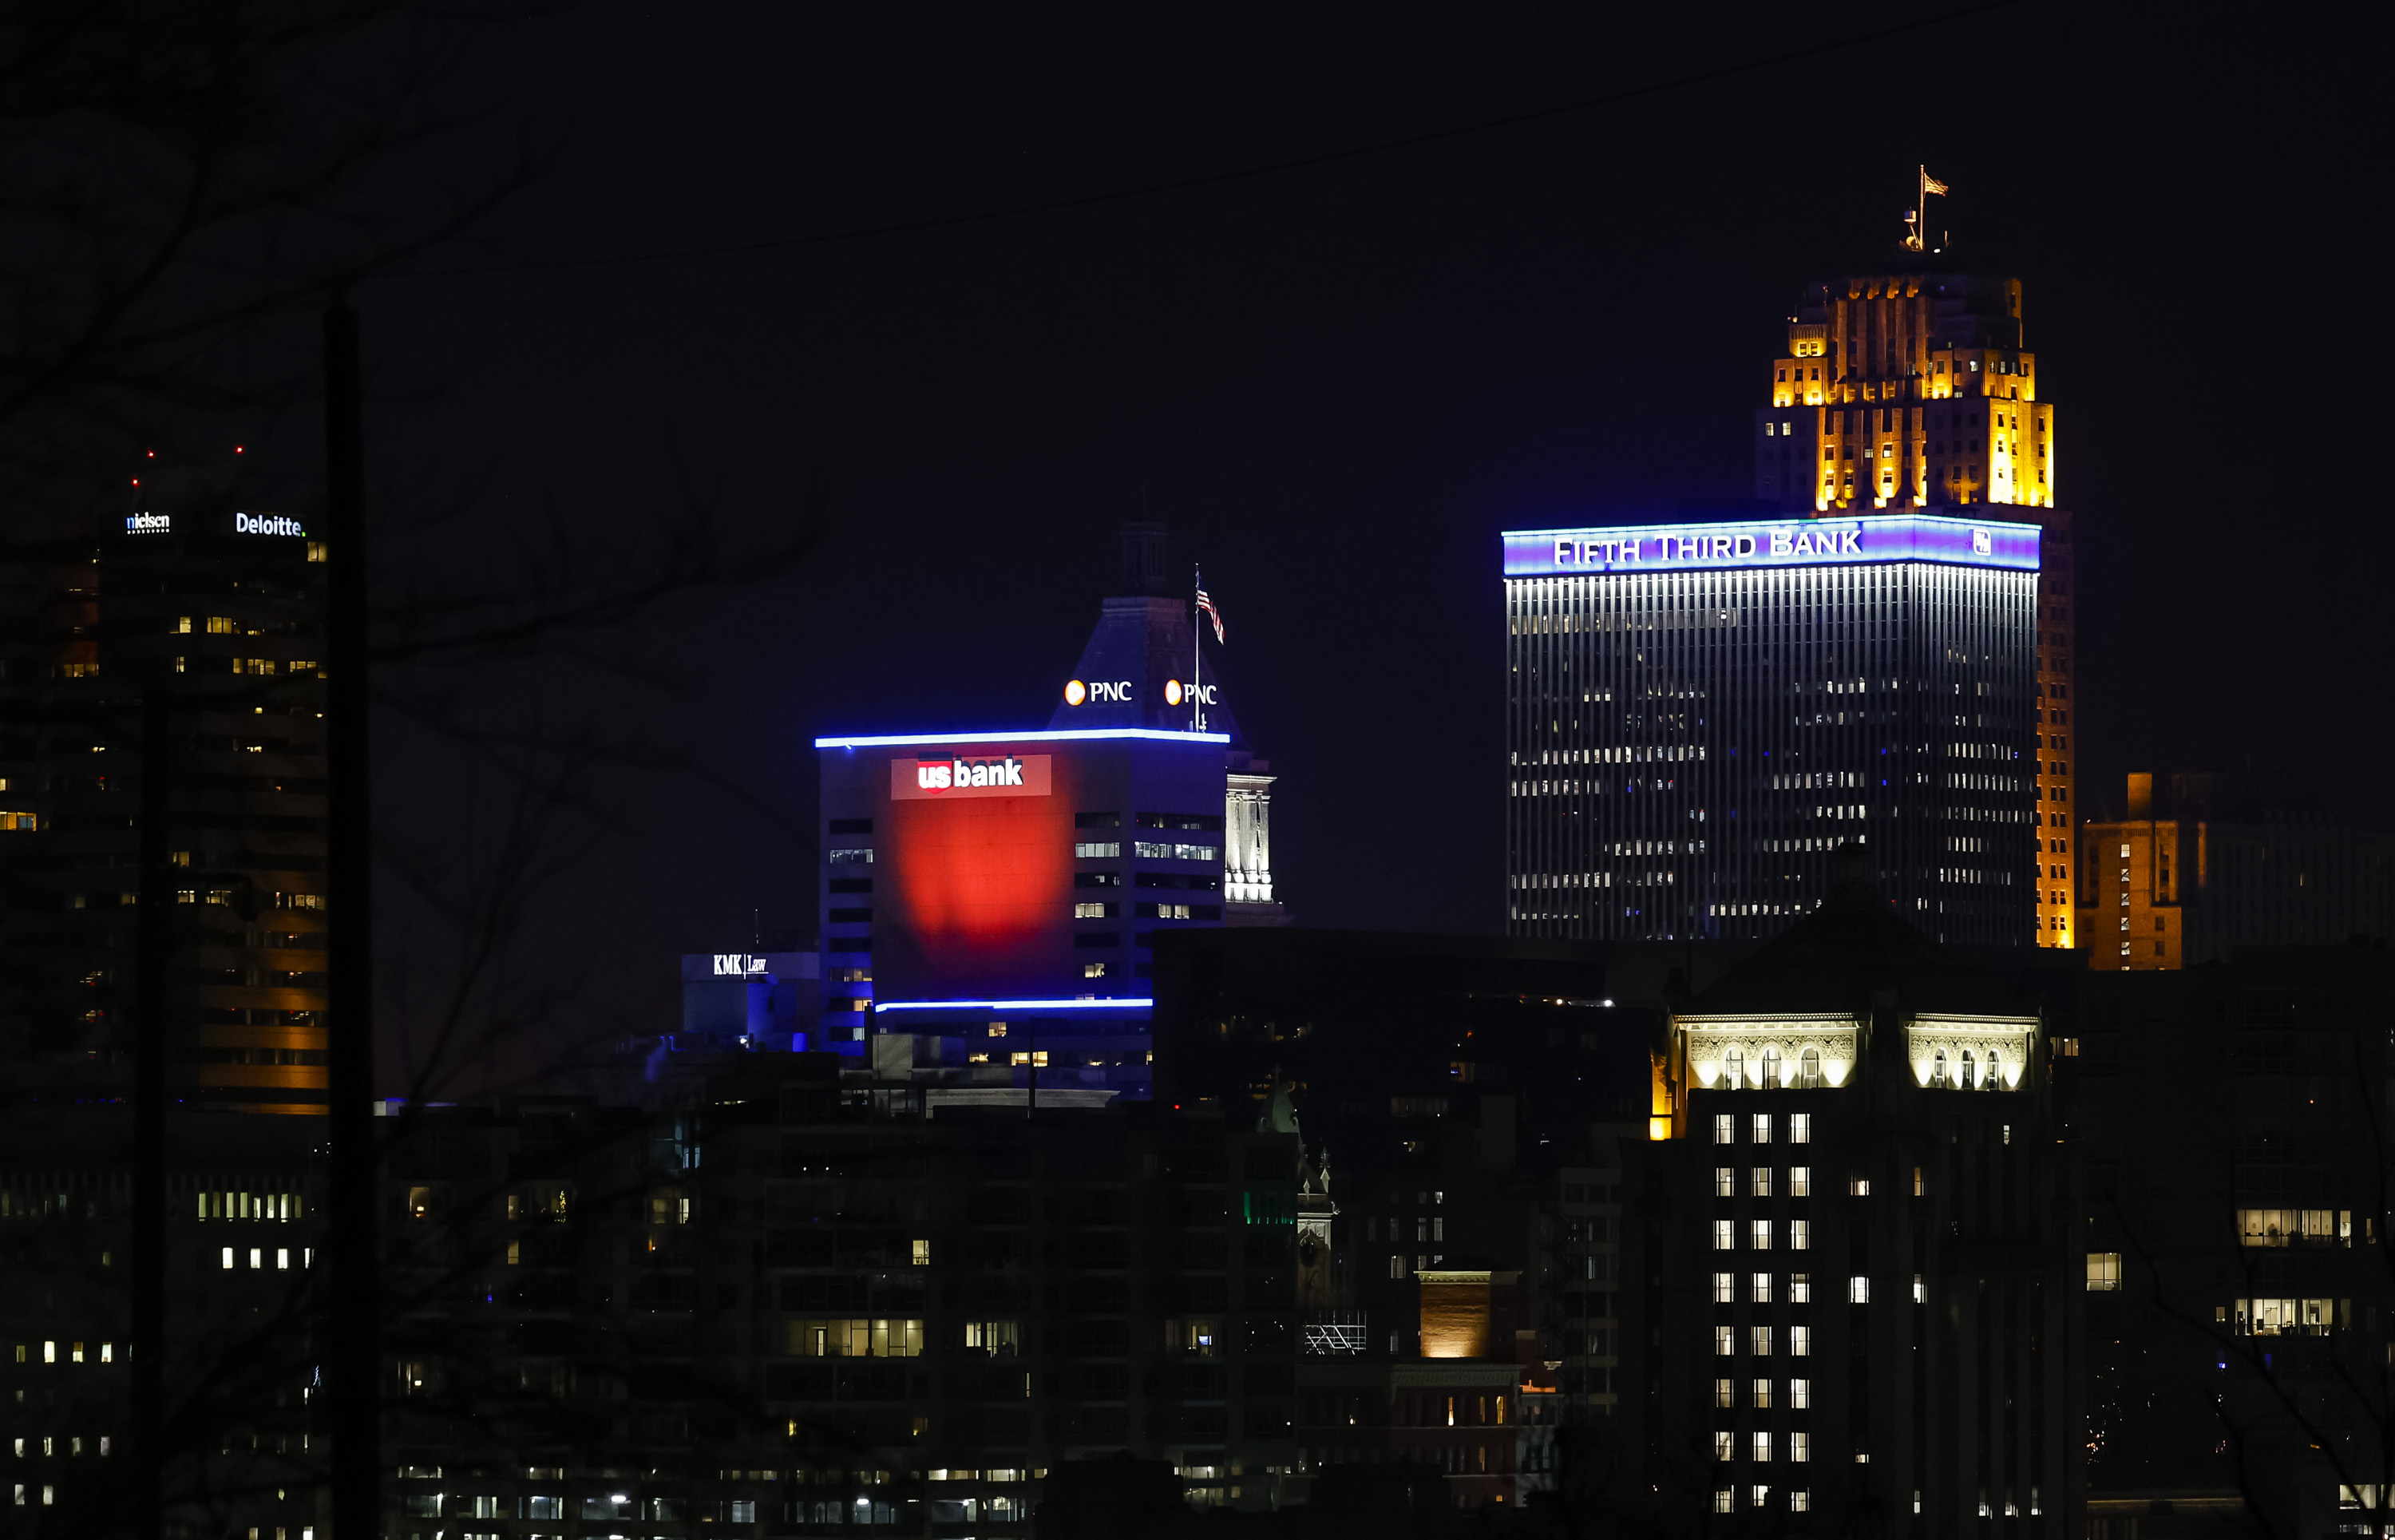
(1922, 375)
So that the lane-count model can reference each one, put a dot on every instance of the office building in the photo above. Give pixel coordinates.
(1699, 715)
(1921, 384)
(1143, 668)
(802, 1306)
(991, 901)
(2230, 1121)
(242, 1229)
(223, 607)
(756, 1000)
(1469, 1099)
(2204, 864)
(994, 898)
(1856, 1254)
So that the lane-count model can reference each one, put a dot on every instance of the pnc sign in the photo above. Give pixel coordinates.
(918, 780)
(1177, 693)
(1104, 691)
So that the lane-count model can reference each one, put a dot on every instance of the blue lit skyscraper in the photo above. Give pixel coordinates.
(1698, 715)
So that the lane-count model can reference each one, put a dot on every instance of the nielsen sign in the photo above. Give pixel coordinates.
(1808, 542)
(913, 779)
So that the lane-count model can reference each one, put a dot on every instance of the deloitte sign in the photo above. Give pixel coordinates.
(242, 524)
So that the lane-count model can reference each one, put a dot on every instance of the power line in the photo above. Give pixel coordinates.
(1218, 179)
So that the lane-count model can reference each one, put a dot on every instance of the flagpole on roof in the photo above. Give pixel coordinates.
(1198, 656)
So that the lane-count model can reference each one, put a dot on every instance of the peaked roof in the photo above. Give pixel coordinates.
(1853, 950)
(1145, 640)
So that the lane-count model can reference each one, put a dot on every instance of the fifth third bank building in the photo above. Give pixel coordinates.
(1701, 716)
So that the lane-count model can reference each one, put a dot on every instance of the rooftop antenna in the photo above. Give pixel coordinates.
(1916, 218)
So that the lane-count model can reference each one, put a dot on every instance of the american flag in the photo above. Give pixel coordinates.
(1212, 614)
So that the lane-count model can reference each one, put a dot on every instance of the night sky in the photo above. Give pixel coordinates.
(1336, 383)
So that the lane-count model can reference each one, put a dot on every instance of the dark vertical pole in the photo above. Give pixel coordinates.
(149, 1258)
(351, 1345)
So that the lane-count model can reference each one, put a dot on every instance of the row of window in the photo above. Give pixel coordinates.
(1800, 1127)
(1105, 910)
(1145, 850)
(73, 1352)
(1800, 1289)
(1760, 1181)
(1760, 1444)
(1761, 1234)
(1761, 1339)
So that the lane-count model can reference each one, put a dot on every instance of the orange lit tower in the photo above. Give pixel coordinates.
(1913, 390)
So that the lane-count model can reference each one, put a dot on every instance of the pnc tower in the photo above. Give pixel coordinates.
(1700, 713)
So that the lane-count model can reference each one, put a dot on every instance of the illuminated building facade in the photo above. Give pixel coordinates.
(1145, 668)
(992, 899)
(223, 609)
(1699, 715)
(2201, 868)
(1914, 391)
(1859, 1283)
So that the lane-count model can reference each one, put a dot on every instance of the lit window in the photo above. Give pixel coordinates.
(1800, 1394)
(1800, 1181)
(920, 1253)
(1725, 1288)
(1800, 1449)
(1763, 1395)
(1858, 1290)
(1724, 1342)
(1725, 1236)
(1800, 1125)
(1762, 1447)
(2103, 1272)
(1800, 1235)
(1724, 1393)
(1761, 1234)
(1761, 1181)
(1760, 1288)
(1724, 1129)
(1725, 1445)
(1858, 1187)
(1725, 1499)
(1800, 1341)
(1761, 1339)
(1725, 1182)
(1763, 1128)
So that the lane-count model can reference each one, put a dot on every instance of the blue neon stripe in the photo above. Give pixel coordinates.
(1062, 735)
(1015, 1004)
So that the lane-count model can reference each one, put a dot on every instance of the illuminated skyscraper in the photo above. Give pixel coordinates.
(1698, 715)
(1913, 390)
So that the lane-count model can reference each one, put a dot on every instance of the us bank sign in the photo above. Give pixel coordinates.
(1771, 543)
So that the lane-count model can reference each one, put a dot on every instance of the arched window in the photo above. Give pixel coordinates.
(1808, 1069)
(1967, 1083)
(1771, 1069)
(1733, 1069)
(1937, 1068)
(1995, 1081)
